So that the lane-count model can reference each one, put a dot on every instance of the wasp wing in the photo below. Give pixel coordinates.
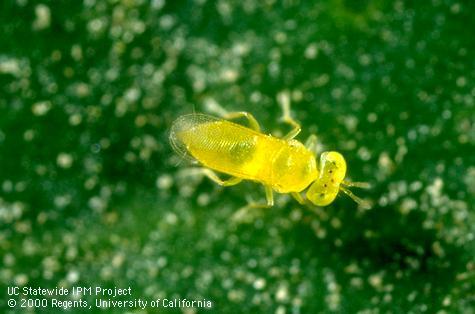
(187, 123)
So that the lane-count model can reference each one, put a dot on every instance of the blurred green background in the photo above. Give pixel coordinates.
(91, 193)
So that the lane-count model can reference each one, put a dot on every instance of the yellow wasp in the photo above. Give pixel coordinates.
(283, 165)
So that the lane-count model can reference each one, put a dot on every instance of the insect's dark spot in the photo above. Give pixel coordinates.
(330, 171)
(332, 180)
(325, 185)
(322, 195)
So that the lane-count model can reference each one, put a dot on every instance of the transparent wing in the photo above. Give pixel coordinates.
(186, 123)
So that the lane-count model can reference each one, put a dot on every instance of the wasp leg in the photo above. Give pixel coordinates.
(311, 143)
(298, 198)
(252, 121)
(284, 99)
(247, 213)
(269, 196)
(214, 177)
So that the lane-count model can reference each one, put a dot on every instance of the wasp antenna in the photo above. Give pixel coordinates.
(355, 198)
(361, 185)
